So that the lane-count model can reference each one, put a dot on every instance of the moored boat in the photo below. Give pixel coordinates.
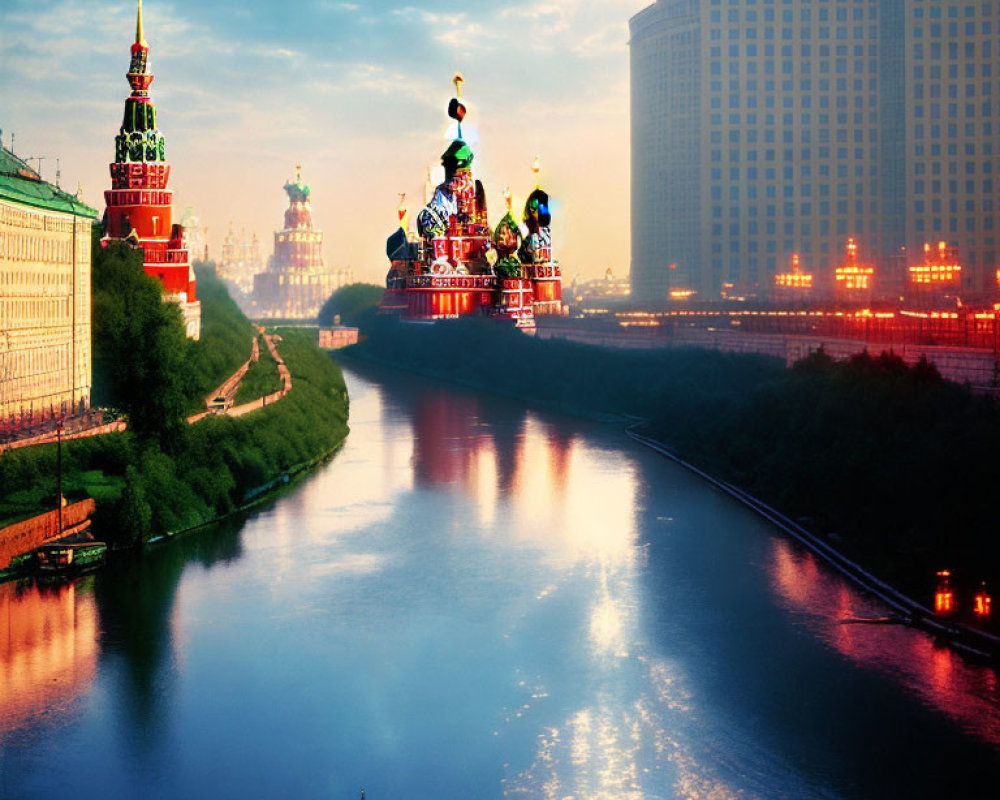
(67, 557)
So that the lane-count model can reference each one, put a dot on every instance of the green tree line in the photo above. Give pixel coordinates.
(895, 465)
(162, 474)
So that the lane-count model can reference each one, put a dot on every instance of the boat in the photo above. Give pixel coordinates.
(453, 265)
(74, 550)
(58, 558)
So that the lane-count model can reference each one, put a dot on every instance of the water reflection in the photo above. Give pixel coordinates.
(474, 599)
(968, 693)
(533, 481)
(48, 649)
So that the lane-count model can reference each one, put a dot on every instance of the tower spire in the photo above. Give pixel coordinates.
(139, 38)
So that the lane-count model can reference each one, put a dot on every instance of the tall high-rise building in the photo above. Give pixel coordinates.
(763, 129)
(139, 202)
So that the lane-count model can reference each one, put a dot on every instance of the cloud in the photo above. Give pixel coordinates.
(357, 94)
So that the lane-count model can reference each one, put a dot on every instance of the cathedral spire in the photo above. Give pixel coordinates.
(139, 38)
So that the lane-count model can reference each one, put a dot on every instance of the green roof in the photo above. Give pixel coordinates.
(19, 183)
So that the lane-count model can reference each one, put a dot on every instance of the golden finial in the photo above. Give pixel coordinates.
(298, 173)
(508, 198)
(458, 80)
(536, 168)
(139, 39)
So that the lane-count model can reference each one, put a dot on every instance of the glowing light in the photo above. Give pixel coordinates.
(944, 596)
(852, 276)
(794, 279)
(982, 603)
(681, 294)
(940, 267)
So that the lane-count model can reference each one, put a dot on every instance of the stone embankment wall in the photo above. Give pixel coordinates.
(31, 533)
(975, 366)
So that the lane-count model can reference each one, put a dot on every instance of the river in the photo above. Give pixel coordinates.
(475, 600)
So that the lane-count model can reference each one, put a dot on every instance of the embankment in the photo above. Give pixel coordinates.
(888, 463)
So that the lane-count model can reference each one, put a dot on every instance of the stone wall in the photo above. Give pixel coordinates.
(31, 533)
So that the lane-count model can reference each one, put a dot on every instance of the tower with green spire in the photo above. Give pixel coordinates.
(139, 204)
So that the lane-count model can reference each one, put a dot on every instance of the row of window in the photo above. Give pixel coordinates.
(804, 154)
(937, 50)
(28, 246)
(805, 101)
(769, 33)
(12, 216)
(920, 186)
(936, 73)
(938, 90)
(936, 30)
(767, 67)
(857, 13)
(951, 110)
(841, 12)
(45, 312)
(123, 197)
(788, 173)
(790, 209)
(951, 148)
(823, 85)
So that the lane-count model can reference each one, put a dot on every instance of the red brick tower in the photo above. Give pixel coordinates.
(139, 205)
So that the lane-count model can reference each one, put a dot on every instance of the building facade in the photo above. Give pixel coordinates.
(296, 283)
(139, 204)
(45, 353)
(763, 130)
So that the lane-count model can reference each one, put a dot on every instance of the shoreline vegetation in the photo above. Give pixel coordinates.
(163, 476)
(888, 464)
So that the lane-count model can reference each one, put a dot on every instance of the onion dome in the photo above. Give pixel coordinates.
(536, 208)
(507, 239)
(297, 192)
(459, 155)
(299, 213)
(456, 158)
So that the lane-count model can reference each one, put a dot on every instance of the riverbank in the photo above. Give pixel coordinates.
(885, 463)
(170, 476)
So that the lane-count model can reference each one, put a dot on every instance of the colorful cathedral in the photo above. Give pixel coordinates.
(454, 265)
(139, 205)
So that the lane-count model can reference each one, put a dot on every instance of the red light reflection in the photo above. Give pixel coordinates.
(965, 692)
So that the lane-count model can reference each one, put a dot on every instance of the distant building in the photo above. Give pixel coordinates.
(599, 289)
(139, 203)
(762, 130)
(195, 235)
(45, 353)
(238, 264)
(296, 283)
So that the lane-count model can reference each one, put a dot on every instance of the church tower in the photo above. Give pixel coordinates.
(139, 205)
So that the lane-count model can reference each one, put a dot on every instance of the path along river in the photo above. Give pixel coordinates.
(475, 600)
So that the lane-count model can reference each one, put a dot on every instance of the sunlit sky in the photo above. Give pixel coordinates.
(354, 91)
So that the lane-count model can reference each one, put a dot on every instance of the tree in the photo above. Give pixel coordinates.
(353, 303)
(139, 344)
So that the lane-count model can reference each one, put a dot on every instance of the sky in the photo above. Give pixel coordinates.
(355, 92)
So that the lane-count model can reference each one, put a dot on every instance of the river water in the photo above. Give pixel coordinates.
(477, 600)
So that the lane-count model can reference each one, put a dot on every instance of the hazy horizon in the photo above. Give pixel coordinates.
(355, 93)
